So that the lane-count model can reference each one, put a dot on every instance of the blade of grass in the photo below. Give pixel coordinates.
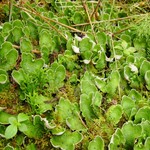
(10, 9)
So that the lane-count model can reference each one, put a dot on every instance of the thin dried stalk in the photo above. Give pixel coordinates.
(32, 11)
(89, 19)
(10, 9)
(111, 20)
(96, 9)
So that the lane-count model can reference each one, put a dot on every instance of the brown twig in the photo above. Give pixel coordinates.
(36, 51)
(46, 19)
(111, 20)
(16, 46)
(96, 9)
(81, 120)
(118, 32)
(89, 19)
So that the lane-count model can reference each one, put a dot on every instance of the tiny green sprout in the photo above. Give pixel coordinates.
(68, 113)
(85, 45)
(73, 78)
(147, 79)
(35, 127)
(112, 83)
(97, 99)
(129, 51)
(63, 109)
(4, 117)
(38, 103)
(102, 38)
(6, 29)
(56, 75)
(139, 43)
(58, 130)
(66, 141)
(99, 61)
(114, 113)
(5, 48)
(75, 122)
(3, 76)
(96, 144)
(45, 53)
(87, 87)
(17, 23)
(140, 145)
(78, 18)
(145, 66)
(131, 132)
(135, 95)
(9, 56)
(29, 64)
(85, 106)
(143, 113)
(100, 83)
(18, 75)
(64, 20)
(127, 104)
(25, 45)
(126, 38)
(45, 39)
(117, 140)
(17, 33)
(143, 141)
(130, 59)
(16, 123)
